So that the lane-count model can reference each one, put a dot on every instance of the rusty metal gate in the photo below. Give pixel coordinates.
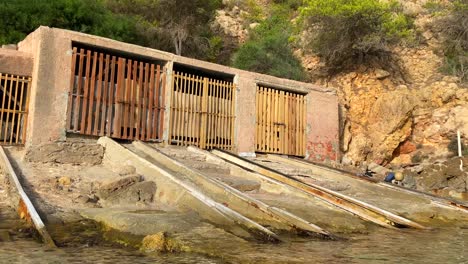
(202, 112)
(280, 122)
(14, 93)
(115, 96)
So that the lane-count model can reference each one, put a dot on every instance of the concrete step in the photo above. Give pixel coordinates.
(238, 183)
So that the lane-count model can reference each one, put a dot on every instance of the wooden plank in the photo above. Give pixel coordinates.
(217, 113)
(286, 123)
(26, 111)
(76, 110)
(158, 103)
(14, 109)
(203, 127)
(2, 109)
(138, 100)
(119, 98)
(92, 88)
(145, 97)
(192, 108)
(264, 120)
(21, 115)
(85, 93)
(5, 130)
(150, 117)
(363, 210)
(70, 94)
(105, 97)
(97, 111)
(225, 117)
(233, 113)
(162, 105)
(172, 113)
(111, 103)
(257, 112)
(24, 199)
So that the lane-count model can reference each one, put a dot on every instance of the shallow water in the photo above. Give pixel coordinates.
(449, 245)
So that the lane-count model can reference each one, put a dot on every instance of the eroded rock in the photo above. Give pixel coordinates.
(66, 153)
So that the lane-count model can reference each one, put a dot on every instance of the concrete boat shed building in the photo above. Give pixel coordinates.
(60, 85)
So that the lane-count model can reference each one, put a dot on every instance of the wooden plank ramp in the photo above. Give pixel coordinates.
(23, 200)
(365, 211)
(184, 194)
(235, 199)
(319, 168)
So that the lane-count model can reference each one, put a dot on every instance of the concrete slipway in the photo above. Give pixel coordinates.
(204, 197)
(252, 205)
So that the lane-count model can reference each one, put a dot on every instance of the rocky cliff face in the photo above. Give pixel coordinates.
(394, 116)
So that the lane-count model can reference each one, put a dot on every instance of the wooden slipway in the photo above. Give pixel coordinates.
(174, 189)
(363, 210)
(344, 175)
(219, 191)
(23, 202)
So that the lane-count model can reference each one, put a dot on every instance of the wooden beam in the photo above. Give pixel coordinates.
(365, 211)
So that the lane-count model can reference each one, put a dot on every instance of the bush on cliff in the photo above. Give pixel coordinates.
(269, 51)
(347, 32)
(454, 27)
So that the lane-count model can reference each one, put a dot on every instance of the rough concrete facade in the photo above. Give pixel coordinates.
(15, 62)
(52, 52)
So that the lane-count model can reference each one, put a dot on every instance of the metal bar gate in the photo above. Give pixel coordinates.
(115, 96)
(14, 96)
(280, 122)
(202, 112)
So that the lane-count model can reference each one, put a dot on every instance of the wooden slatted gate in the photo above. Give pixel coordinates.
(280, 122)
(14, 93)
(115, 96)
(202, 112)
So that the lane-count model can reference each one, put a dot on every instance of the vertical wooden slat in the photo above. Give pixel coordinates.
(92, 88)
(76, 110)
(144, 103)
(138, 100)
(105, 96)
(286, 122)
(203, 130)
(111, 103)
(97, 111)
(119, 100)
(225, 120)
(173, 105)
(150, 104)
(233, 113)
(161, 105)
(21, 114)
(72, 84)
(9, 92)
(13, 109)
(85, 93)
(26, 111)
(2, 110)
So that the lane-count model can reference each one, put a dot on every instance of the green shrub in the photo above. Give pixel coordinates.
(268, 50)
(21, 17)
(454, 27)
(348, 32)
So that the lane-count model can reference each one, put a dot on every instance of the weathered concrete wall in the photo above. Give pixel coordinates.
(322, 127)
(52, 49)
(16, 62)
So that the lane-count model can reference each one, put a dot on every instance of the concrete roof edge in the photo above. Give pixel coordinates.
(263, 78)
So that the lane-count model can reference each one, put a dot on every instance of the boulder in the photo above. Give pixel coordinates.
(107, 189)
(138, 192)
(127, 170)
